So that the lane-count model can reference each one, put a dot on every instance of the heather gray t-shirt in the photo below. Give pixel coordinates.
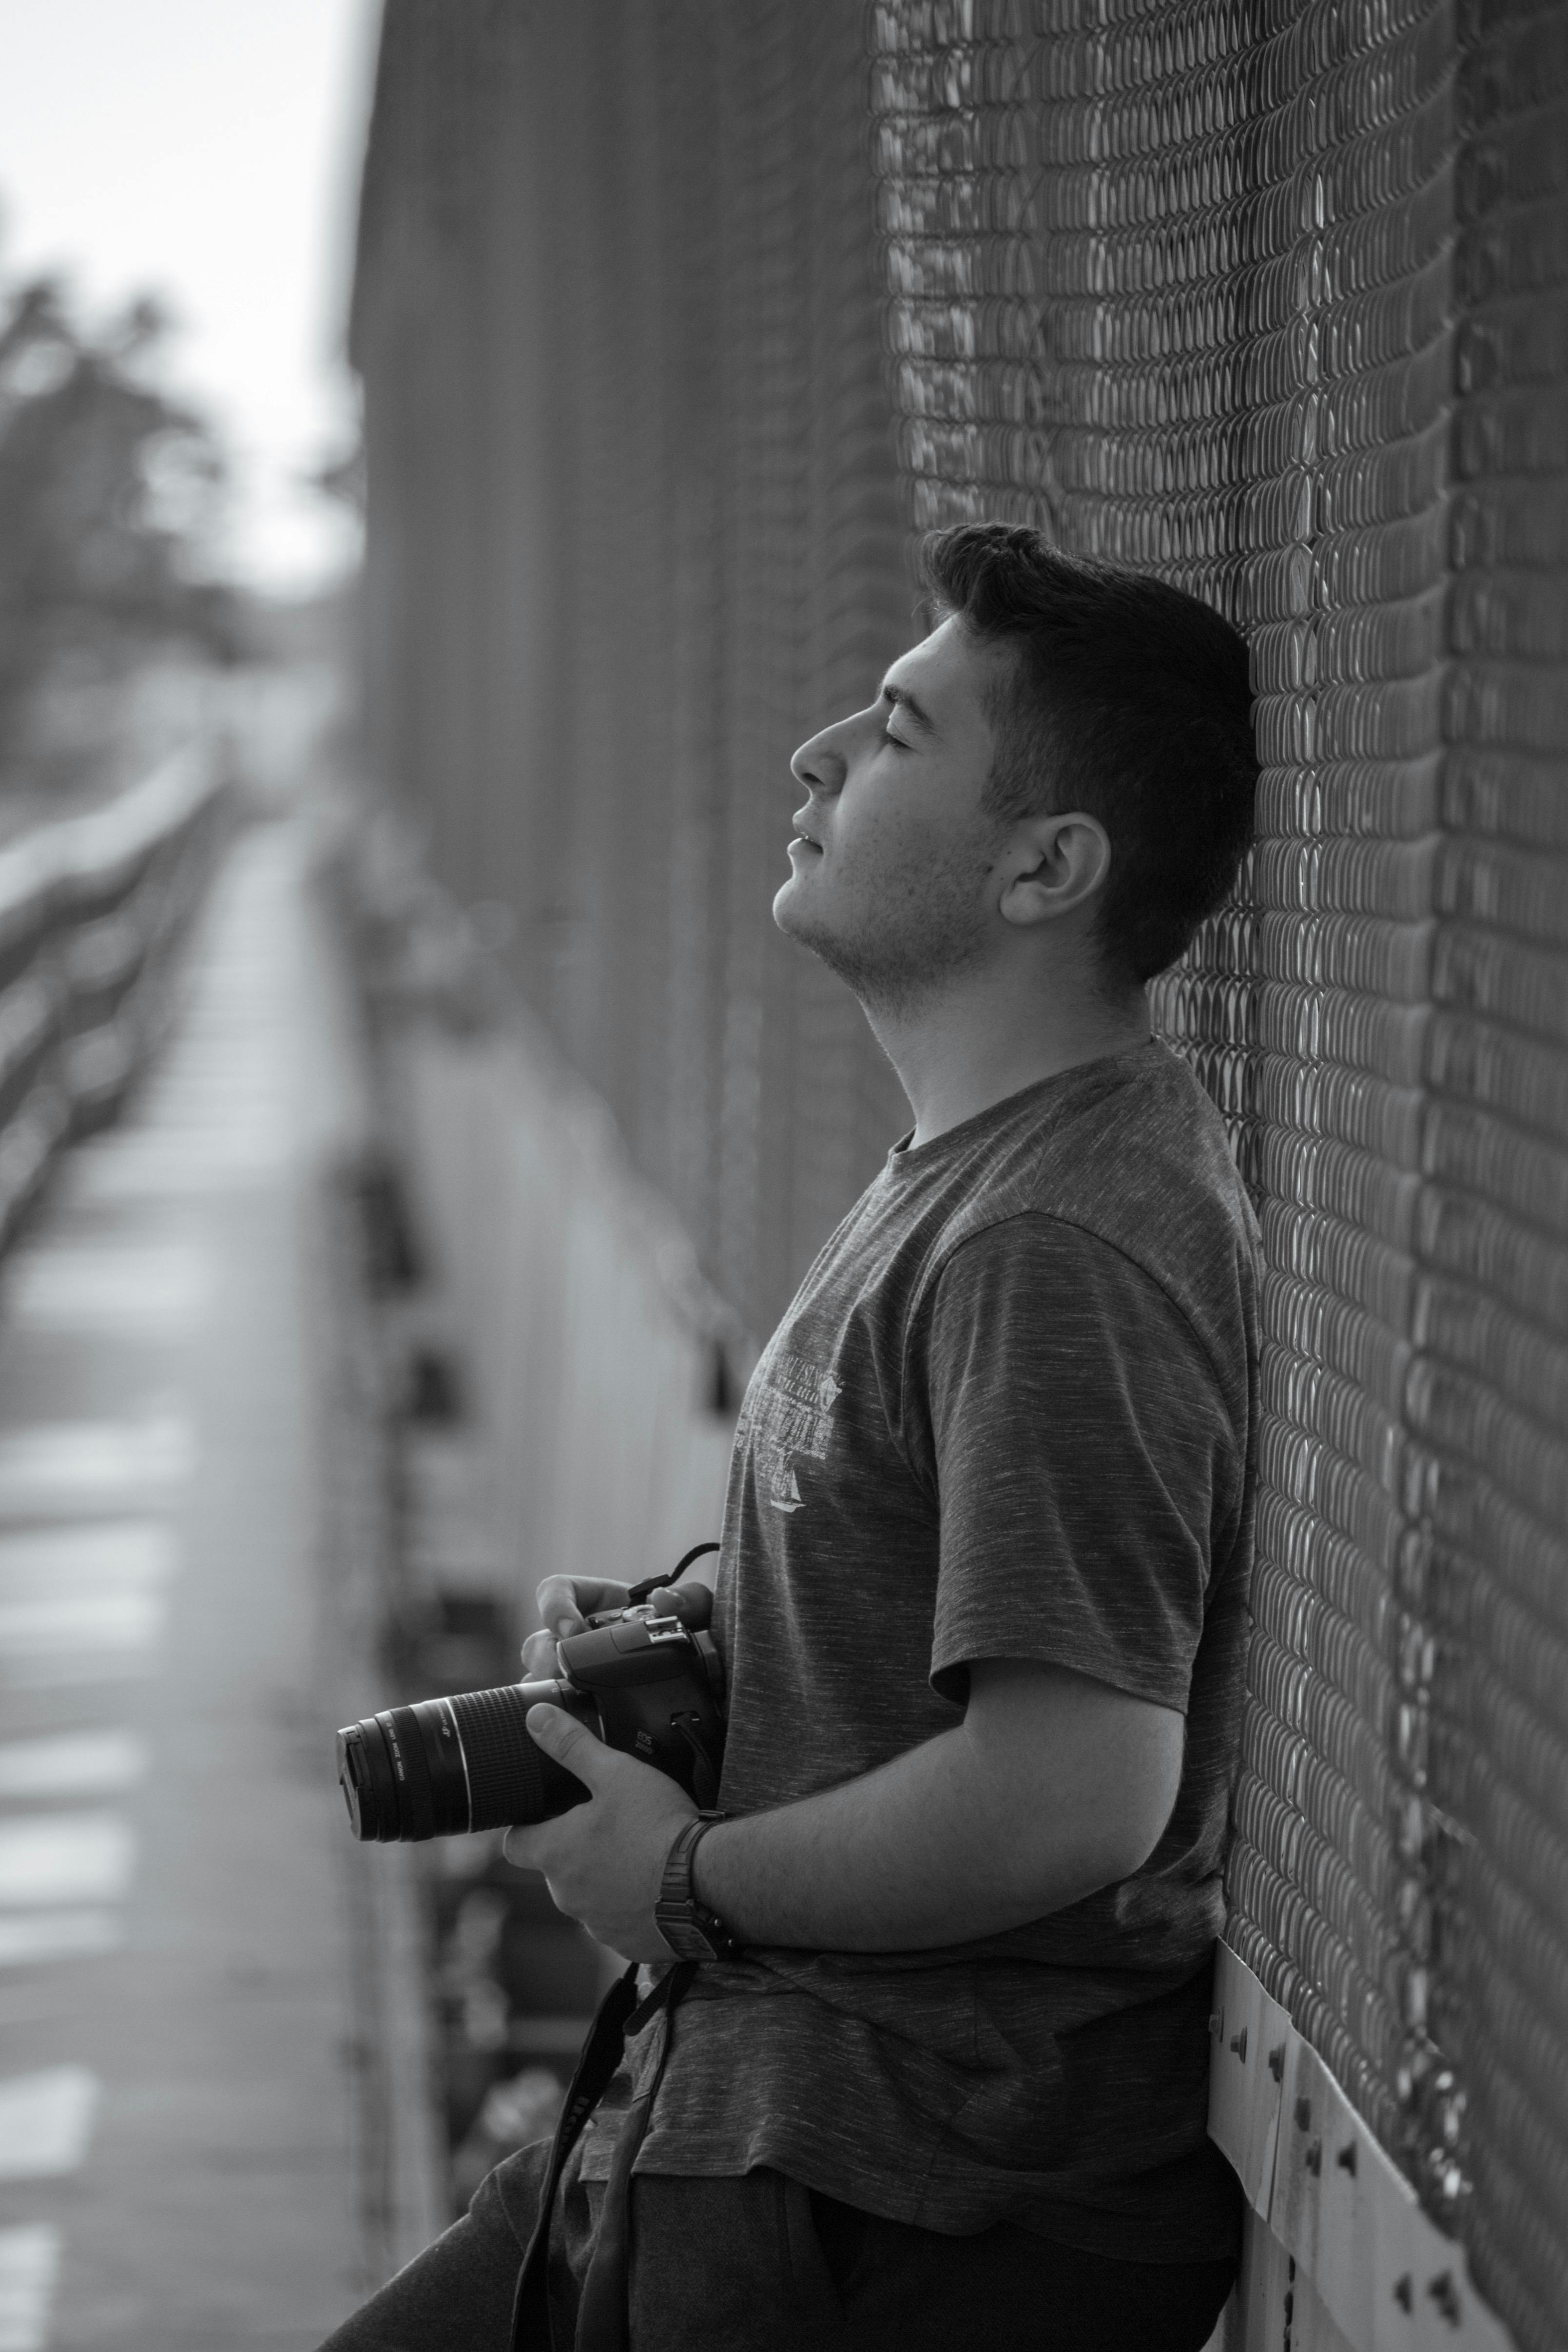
(1009, 1415)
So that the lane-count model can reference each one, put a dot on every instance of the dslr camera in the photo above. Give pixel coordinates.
(649, 1683)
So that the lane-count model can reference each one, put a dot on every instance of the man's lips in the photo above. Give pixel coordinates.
(804, 841)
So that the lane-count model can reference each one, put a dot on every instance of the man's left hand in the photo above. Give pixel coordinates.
(602, 1862)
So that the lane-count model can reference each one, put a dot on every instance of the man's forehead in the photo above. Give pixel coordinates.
(949, 676)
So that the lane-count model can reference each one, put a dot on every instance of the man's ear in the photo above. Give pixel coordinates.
(1051, 865)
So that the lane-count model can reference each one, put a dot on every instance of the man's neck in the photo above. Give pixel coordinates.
(977, 1045)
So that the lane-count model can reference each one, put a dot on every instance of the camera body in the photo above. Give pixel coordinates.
(655, 1687)
(649, 1684)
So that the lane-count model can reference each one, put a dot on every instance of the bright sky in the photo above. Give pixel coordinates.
(206, 150)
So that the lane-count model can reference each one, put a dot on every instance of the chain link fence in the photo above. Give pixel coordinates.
(635, 529)
(672, 320)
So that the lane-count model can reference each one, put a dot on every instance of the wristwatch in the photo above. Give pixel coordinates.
(692, 1931)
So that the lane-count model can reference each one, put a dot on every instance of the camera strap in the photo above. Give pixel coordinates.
(603, 2316)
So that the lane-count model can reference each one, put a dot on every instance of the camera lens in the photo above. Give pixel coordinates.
(450, 1765)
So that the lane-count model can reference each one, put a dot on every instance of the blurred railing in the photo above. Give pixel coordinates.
(556, 1385)
(604, 1370)
(92, 911)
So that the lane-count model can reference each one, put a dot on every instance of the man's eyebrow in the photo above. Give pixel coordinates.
(901, 699)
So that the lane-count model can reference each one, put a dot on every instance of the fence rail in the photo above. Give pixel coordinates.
(92, 911)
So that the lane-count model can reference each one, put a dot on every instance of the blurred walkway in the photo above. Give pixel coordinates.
(186, 2000)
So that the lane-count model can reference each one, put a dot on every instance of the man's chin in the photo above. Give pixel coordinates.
(887, 974)
(803, 923)
(805, 929)
(789, 915)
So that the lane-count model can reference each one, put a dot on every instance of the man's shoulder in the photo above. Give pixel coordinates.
(1134, 1158)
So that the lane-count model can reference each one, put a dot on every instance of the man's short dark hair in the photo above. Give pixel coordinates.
(1129, 699)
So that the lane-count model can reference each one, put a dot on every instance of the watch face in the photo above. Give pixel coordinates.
(685, 1938)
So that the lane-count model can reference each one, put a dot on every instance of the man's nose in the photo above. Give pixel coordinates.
(820, 763)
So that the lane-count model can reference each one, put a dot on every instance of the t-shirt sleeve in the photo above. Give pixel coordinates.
(1082, 1452)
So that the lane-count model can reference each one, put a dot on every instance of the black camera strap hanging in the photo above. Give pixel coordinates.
(603, 2316)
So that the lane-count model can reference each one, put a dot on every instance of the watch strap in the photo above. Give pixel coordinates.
(690, 1929)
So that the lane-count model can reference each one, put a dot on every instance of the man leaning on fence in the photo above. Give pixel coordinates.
(924, 2058)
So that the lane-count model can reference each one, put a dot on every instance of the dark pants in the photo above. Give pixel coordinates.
(761, 2264)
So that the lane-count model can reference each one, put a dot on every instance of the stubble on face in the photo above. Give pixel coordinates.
(900, 927)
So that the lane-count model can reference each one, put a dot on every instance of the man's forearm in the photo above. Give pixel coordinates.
(1053, 1785)
(946, 1842)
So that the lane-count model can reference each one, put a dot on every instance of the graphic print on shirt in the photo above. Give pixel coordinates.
(789, 1412)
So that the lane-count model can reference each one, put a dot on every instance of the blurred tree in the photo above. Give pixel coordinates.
(107, 492)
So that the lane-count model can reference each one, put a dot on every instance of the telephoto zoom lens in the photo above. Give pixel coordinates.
(448, 1765)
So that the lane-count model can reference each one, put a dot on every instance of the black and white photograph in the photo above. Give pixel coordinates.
(784, 1176)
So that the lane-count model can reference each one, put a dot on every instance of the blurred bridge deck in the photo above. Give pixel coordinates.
(188, 1992)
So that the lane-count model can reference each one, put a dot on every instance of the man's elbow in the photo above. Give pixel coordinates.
(1133, 1840)
(1144, 1796)
(1057, 1862)
(1064, 1854)
(1083, 1777)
